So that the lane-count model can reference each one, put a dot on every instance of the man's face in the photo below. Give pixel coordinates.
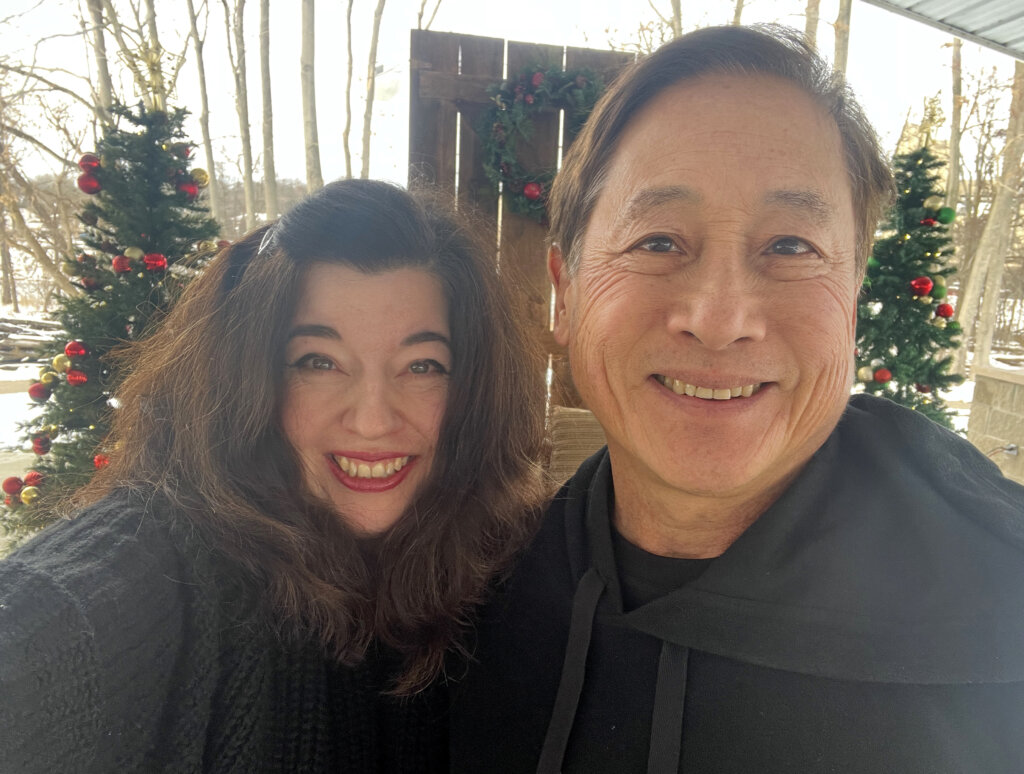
(718, 261)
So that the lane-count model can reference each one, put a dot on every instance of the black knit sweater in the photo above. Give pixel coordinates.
(122, 648)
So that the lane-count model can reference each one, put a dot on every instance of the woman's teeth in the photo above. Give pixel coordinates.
(708, 393)
(378, 469)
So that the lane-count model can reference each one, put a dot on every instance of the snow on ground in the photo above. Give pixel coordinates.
(15, 407)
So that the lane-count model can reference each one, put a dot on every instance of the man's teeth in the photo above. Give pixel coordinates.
(378, 469)
(708, 393)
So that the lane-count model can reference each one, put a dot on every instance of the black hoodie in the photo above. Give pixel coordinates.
(871, 620)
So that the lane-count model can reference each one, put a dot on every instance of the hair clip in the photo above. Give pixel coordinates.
(268, 238)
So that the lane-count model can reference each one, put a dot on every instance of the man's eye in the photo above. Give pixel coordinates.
(790, 246)
(314, 362)
(426, 367)
(657, 244)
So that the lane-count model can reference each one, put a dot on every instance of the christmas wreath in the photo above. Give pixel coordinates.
(509, 120)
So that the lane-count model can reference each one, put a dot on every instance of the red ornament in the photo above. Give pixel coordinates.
(922, 286)
(537, 79)
(89, 162)
(100, 461)
(12, 485)
(222, 243)
(532, 191)
(944, 310)
(88, 183)
(39, 392)
(929, 222)
(75, 349)
(155, 262)
(33, 478)
(76, 377)
(923, 388)
(190, 189)
(89, 283)
(883, 375)
(121, 264)
(41, 445)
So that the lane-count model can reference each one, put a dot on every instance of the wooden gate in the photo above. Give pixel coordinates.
(450, 75)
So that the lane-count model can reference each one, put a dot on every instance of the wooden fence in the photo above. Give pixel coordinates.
(450, 75)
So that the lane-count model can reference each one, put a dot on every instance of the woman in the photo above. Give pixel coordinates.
(320, 459)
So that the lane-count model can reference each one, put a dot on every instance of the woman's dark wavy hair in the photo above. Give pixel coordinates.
(198, 428)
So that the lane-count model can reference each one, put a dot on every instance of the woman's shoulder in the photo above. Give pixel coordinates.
(93, 614)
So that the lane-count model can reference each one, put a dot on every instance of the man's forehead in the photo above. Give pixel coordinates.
(809, 203)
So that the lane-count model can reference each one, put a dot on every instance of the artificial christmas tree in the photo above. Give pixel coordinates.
(145, 229)
(904, 332)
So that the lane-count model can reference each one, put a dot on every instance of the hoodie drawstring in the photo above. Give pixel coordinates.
(584, 605)
(667, 719)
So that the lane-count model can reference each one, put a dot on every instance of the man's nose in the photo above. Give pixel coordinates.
(719, 300)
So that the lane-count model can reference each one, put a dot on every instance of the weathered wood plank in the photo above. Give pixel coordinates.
(432, 122)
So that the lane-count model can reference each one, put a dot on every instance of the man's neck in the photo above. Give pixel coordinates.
(667, 522)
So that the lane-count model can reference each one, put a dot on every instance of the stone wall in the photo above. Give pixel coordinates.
(997, 417)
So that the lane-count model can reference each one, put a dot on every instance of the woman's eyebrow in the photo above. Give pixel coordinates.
(422, 337)
(316, 331)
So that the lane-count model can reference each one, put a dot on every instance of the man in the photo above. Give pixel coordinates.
(759, 574)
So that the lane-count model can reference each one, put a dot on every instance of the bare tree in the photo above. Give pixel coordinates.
(995, 240)
(419, 16)
(198, 41)
(269, 168)
(234, 27)
(677, 19)
(811, 22)
(314, 177)
(371, 80)
(953, 175)
(105, 93)
(348, 92)
(737, 13)
(842, 27)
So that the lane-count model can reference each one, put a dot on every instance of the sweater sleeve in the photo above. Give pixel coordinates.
(91, 628)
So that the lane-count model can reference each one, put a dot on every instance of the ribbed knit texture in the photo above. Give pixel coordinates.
(123, 648)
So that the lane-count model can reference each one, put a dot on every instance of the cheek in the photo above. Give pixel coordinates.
(298, 416)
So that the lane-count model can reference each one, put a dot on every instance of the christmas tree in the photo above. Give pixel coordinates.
(904, 331)
(145, 229)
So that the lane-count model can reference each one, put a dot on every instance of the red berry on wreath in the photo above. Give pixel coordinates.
(33, 478)
(39, 392)
(75, 349)
(155, 262)
(532, 191)
(88, 162)
(537, 79)
(883, 375)
(944, 310)
(922, 286)
(121, 264)
(100, 461)
(12, 485)
(529, 99)
(77, 378)
(88, 183)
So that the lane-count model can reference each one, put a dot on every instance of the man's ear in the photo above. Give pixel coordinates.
(558, 273)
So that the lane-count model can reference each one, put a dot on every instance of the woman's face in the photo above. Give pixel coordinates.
(368, 358)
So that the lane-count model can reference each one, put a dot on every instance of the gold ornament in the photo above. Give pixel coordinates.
(134, 253)
(51, 430)
(61, 363)
(206, 246)
(200, 177)
(933, 202)
(939, 322)
(866, 374)
(940, 281)
(48, 378)
(29, 494)
(925, 299)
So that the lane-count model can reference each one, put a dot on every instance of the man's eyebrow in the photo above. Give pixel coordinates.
(315, 331)
(425, 336)
(808, 202)
(648, 198)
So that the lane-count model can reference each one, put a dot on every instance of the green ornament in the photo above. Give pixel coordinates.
(873, 263)
(939, 291)
(946, 215)
(953, 326)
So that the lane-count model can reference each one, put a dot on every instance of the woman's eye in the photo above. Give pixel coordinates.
(314, 362)
(426, 367)
(657, 244)
(790, 246)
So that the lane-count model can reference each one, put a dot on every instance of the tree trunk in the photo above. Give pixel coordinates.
(234, 27)
(842, 27)
(811, 22)
(993, 246)
(737, 13)
(419, 16)
(154, 60)
(39, 253)
(371, 80)
(204, 113)
(99, 50)
(953, 170)
(677, 19)
(314, 177)
(10, 291)
(269, 168)
(348, 93)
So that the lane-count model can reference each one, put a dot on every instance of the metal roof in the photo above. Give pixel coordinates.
(998, 24)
